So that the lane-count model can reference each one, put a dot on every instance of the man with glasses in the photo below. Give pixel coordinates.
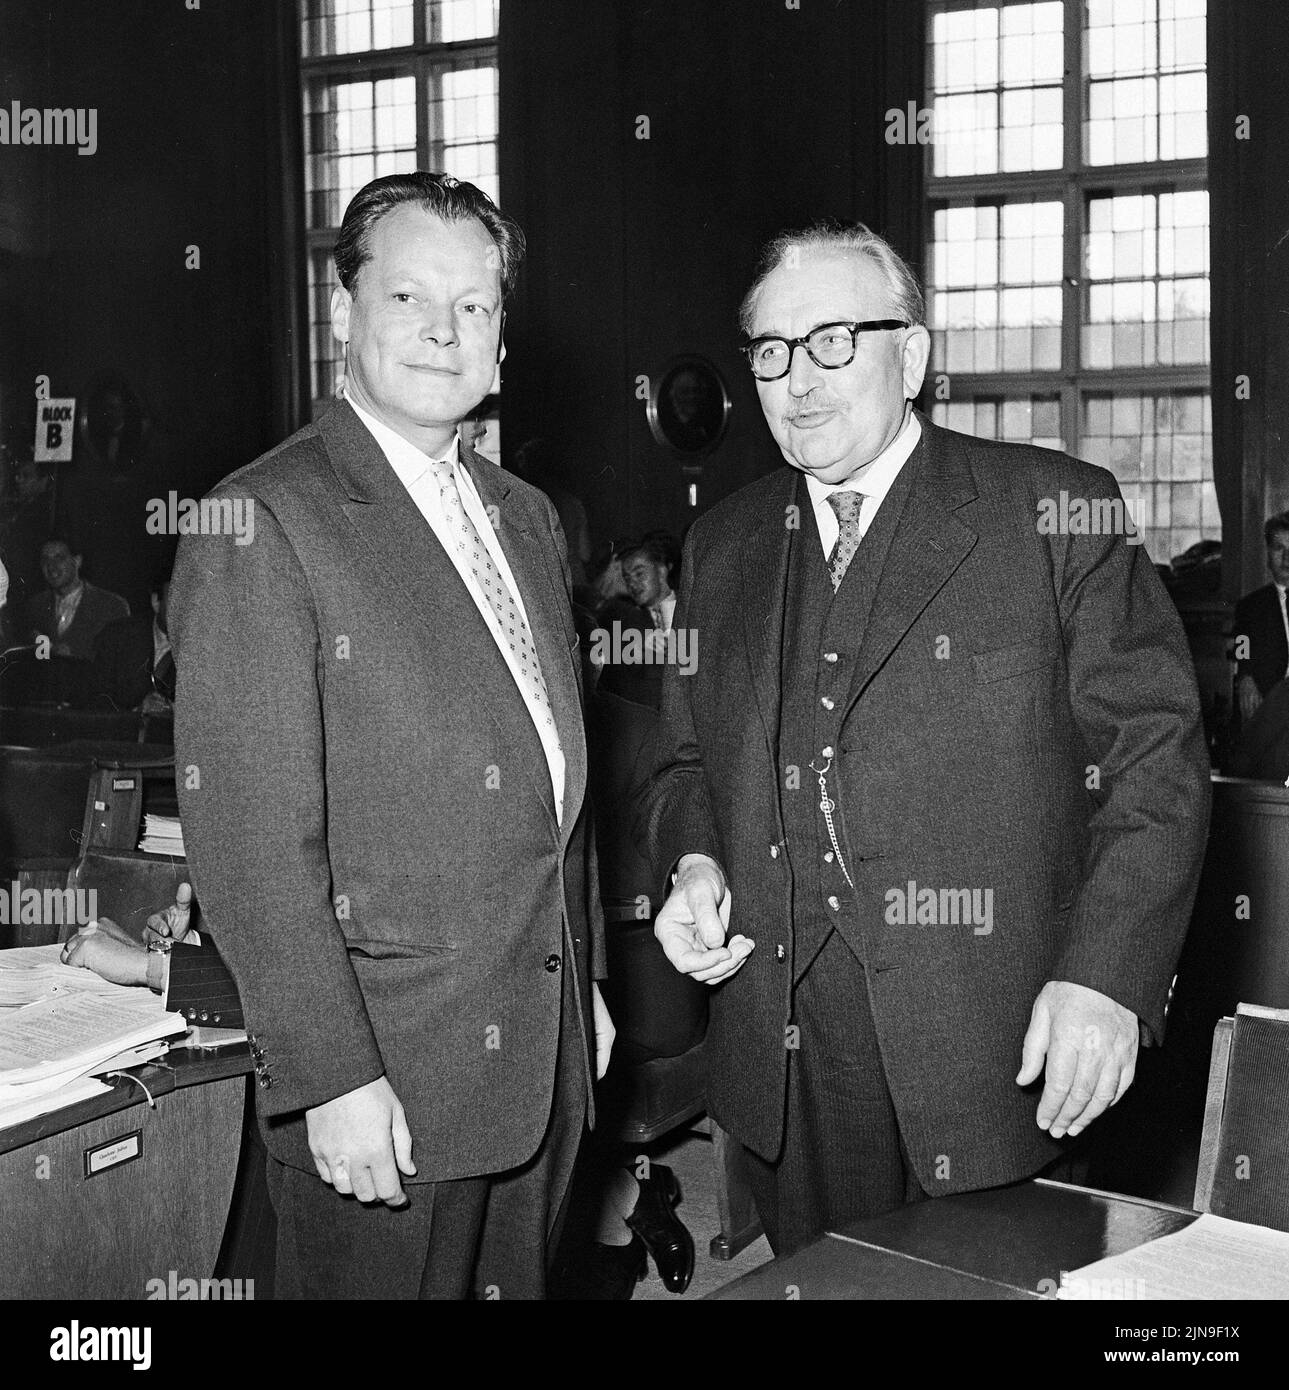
(932, 807)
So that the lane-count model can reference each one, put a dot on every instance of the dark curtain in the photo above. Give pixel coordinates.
(1248, 42)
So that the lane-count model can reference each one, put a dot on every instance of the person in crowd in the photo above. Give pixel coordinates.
(1261, 625)
(932, 807)
(26, 519)
(70, 612)
(388, 827)
(133, 660)
(657, 1012)
(192, 980)
(649, 567)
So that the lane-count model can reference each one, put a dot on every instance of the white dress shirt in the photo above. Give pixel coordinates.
(664, 613)
(874, 480)
(413, 470)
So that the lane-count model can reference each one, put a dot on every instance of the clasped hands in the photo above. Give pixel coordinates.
(1086, 1042)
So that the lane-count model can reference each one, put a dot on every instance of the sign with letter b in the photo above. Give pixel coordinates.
(55, 425)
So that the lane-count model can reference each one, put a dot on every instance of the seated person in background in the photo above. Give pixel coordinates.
(134, 665)
(1262, 749)
(172, 960)
(1261, 626)
(70, 612)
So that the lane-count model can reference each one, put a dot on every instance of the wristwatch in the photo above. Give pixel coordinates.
(160, 945)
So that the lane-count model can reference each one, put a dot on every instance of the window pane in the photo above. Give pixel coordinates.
(996, 88)
(354, 26)
(1146, 257)
(328, 358)
(1159, 447)
(1014, 419)
(355, 131)
(454, 21)
(1008, 256)
(463, 124)
(1146, 95)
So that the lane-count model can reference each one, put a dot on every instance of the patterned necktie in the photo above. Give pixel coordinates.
(488, 577)
(848, 506)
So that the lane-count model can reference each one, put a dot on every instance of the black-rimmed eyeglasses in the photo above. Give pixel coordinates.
(831, 345)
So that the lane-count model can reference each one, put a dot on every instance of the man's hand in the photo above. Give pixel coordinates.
(605, 1032)
(360, 1143)
(175, 922)
(1090, 1044)
(1246, 690)
(109, 951)
(691, 925)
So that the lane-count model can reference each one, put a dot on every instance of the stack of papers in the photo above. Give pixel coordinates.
(1211, 1258)
(60, 1024)
(162, 835)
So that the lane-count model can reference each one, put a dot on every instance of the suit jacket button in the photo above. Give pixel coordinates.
(774, 851)
(265, 1083)
(215, 1019)
(552, 963)
(780, 953)
(205, 1016)
(835, 904)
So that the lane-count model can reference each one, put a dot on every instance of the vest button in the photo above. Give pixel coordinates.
(552, 963)
(827, 752)
(774, 851)
(828, 857)
(780, 953)
(826, 702)
(830, 656)
(835, 904)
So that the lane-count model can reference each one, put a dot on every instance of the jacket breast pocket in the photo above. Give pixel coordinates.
(1006, 662)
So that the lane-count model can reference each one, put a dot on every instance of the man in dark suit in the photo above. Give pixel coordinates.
(936, 795)
(378, 717)
(69, 613)
(133, 662)
(1261, 626)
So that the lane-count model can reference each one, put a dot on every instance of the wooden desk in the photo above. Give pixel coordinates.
(105, 1235)
(1010, 1243)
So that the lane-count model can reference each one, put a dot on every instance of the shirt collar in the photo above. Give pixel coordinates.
(876, 476)
(409, 462)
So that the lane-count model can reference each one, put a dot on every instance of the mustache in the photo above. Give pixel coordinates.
(811, 405)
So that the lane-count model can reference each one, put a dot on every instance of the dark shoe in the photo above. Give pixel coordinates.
(656, 1223)
(604, 1273)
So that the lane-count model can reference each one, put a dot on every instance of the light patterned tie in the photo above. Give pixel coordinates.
(848, 506)
(495, 589)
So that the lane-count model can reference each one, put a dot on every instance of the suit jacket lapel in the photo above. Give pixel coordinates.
(929, 544)
(404, 560)
(765, 583)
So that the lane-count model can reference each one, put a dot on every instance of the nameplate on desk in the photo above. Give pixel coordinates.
(122, 784)
(114, 1153)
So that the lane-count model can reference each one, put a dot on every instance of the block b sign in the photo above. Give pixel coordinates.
(55, 426)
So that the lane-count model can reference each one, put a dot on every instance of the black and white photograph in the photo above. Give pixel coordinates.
(644, 657)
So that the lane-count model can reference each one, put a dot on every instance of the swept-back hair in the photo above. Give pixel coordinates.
(440, 194)
(847, 239)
